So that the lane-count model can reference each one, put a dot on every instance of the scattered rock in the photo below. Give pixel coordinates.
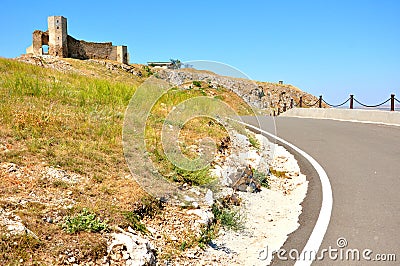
(130, 248)
(209, 198)
(195, 205)
(71, 259)
(232, 199)
(46, 61)
(11, 168)
(206, 217)
(56, 174)
(279, 206)
(224, 145)
(13, 224)
(246, 182)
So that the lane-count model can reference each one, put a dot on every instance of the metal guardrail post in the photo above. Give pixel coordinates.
(392, 102)
(320, 101)
(301, 101)
(351, 101)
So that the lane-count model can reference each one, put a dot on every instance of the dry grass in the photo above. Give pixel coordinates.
(69, 121)
(72, 120)
(191, 132)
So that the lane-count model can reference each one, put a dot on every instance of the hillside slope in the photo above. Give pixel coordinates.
(62, 161)
(265, 96)
(61, 157)
(61, 153)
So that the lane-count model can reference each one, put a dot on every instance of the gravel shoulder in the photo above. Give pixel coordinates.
(269, 215)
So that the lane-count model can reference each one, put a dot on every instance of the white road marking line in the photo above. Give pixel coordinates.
(311, 248)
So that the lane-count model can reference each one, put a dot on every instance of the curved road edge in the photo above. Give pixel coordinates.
(314, 242)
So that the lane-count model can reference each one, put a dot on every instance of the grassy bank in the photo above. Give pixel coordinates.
(70, 121)
(192, 132)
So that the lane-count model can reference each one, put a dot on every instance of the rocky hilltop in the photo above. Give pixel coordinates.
(266, 96)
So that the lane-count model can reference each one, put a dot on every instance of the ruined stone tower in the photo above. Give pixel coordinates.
(63, 45)
(58, 44)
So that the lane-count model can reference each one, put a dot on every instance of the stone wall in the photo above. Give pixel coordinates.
(91, 50)
(39, 38)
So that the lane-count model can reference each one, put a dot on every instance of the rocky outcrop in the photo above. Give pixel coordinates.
(13, 224)
(111, 65)
(128, 248)
(47, 61)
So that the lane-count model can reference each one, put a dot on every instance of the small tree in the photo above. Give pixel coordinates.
(176, 63)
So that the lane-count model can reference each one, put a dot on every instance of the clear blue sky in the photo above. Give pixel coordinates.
(328, 47)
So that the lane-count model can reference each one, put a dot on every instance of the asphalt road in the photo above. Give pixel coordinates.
(363, 165)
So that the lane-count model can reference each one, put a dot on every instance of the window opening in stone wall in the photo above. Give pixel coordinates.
(45, 49)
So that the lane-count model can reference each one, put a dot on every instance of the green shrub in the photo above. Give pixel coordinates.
(84, 221)
(207, 234)
(228, 217)
(185, 245)
(147, 71)
(197, 83)
(134, 222)
(261, 177)
(198, 178)
(147, 207)
(253, 141)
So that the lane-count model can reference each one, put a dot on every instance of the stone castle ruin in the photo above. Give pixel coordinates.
(61, 44)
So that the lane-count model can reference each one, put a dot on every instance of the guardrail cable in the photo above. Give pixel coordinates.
(371, 105)
(302, 103)
(311, 105)
(338, 105)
